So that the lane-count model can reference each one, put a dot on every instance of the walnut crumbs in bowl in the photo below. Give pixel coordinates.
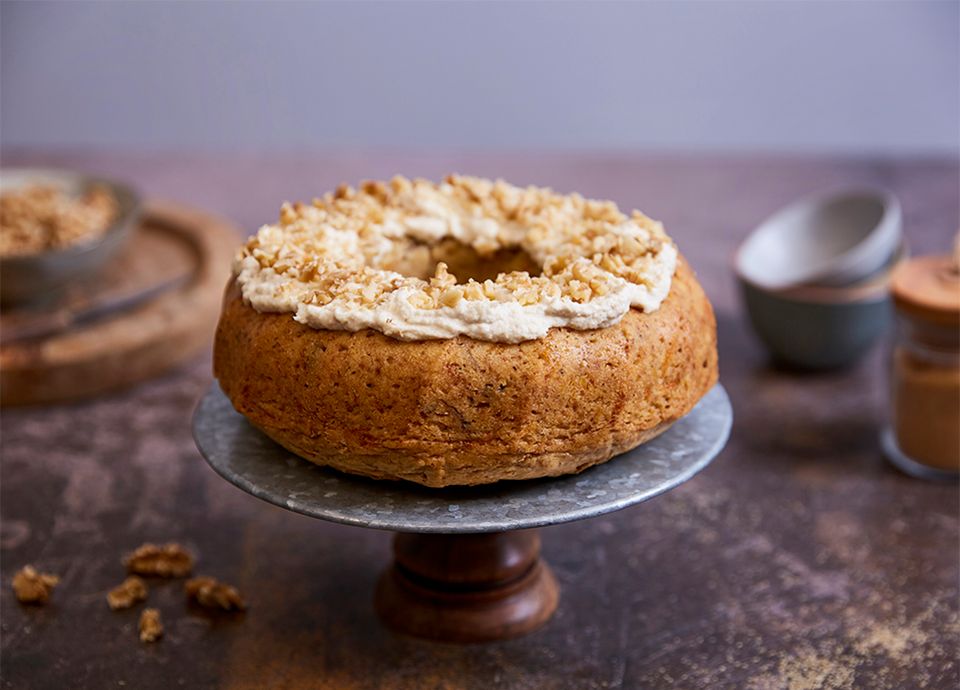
(57, 227)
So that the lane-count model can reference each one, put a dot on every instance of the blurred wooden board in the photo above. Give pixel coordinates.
(135, 344)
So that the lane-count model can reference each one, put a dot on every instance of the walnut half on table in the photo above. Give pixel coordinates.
(127, 593)
(33, 587)
(151, 629)
(169, 560)
(210, 593)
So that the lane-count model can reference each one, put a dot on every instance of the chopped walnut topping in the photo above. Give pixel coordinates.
(210, 593)
(38, 218)
(169, 560)
(32, 587)
(127, 593)
(367, 249)
(151, 629)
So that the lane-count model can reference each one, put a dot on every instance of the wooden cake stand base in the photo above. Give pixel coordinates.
(467, 587)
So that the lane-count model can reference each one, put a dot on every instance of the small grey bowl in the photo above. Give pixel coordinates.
(818, 328)
(35, 278)
(831, 239)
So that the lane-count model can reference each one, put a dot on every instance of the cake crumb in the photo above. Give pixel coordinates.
(32, 587)
(151, 629)
(127, 593)
(169, 560)
(210, 593)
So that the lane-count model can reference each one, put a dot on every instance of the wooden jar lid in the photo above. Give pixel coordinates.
(927, 289)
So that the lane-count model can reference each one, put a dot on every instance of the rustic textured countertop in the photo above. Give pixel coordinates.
(799, 559)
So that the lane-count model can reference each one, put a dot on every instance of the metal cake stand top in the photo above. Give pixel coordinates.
(247, 458)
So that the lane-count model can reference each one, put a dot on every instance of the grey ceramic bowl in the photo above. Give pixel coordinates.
(818, 328)
(832, 239)
(35, 278)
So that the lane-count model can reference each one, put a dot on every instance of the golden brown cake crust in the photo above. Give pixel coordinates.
(464, 411)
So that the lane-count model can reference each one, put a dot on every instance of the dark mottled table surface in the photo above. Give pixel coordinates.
(799, 559)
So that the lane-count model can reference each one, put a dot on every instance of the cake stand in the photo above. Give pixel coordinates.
(467, 564)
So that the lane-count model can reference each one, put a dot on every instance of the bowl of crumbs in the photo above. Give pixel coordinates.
(57, 227)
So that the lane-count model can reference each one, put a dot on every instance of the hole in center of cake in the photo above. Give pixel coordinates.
(462, 260)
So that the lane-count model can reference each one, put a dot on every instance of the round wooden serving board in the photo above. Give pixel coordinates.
(174, 245)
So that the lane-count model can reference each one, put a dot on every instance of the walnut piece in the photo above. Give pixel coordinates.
(169, 560)
(151, 629)
(32, 587)
(210, 593)
(127, 593)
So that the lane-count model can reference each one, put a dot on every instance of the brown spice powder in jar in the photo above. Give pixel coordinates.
(926, 398)
(926, 362)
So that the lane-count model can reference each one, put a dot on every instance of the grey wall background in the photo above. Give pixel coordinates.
(792, 76)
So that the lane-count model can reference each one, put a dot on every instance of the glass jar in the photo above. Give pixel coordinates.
(923, 438)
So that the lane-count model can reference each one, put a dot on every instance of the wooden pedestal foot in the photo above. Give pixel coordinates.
(467, 587)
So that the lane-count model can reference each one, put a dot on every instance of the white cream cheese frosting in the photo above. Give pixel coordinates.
(359, 259)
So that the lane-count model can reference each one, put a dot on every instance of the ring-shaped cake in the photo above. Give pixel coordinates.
(577, 333)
